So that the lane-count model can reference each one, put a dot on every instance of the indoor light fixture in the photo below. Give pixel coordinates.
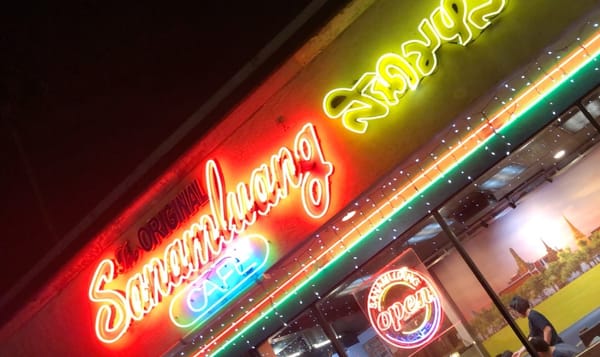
(348, 216)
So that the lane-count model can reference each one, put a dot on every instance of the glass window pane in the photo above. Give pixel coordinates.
(592, 103)
(303, 337)
(388, 307)
(531, 226)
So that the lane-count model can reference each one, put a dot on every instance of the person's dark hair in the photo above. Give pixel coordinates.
(506, 353)
(519, 304)
(539, 344)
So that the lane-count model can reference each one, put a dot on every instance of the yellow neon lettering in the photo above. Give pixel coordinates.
(450, 22)
(453, 21)
(421, 53)
(394, 76)
(480, 16)
(354, 105)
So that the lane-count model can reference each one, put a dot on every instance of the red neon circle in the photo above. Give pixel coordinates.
(404, 308)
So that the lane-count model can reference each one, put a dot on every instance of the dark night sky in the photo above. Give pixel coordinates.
(88, 89)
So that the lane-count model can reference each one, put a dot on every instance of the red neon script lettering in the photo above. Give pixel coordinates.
(304, 168)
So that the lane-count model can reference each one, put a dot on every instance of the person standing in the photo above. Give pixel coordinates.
(539, 325)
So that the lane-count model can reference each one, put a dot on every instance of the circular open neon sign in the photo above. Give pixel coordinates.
(404, 308)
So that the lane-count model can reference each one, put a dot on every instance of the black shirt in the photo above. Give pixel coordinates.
(537, 322)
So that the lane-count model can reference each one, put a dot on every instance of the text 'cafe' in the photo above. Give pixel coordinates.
(384, 192)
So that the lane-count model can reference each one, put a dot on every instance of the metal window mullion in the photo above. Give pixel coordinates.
(329, 332)
(484, 283)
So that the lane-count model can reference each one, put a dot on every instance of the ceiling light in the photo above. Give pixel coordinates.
(559, 154)
(348, 216)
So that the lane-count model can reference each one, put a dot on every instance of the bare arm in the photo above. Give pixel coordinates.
(519, 352)
(547, 334)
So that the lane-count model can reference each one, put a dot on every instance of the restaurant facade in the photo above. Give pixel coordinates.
(384, 192)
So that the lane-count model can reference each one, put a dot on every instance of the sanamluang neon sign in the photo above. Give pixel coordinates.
(213, 254)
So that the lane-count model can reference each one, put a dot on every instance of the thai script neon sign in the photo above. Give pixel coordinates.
(404, 308)
(370, 98)
(303, 168)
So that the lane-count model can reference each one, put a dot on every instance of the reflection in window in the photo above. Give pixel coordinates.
(348, 312)
(303, 337)
(503, 177)
(592, 103)
(536, 233)
(573, 121)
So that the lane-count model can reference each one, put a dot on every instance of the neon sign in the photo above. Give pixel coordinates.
(171, 216)
(370, 98)
(241, 265)
(404, 308)
(303, 168)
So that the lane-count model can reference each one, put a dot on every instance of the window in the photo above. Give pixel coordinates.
(531, 225)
